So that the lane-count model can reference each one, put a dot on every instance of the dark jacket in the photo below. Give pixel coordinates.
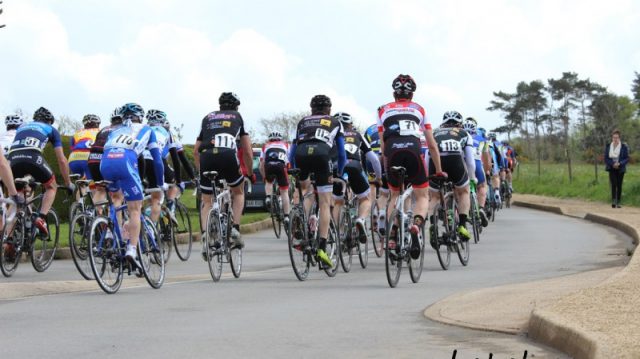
(624, 158)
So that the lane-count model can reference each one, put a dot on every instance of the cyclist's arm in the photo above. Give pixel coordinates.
(196, 155)
(173, 152)
(6, 174)
(292, 154)
(247, 153)
(63, 165)
(375, 163)
(471, 162)
(433, 149)
(185, 164)
(342, 155)
(158, 167)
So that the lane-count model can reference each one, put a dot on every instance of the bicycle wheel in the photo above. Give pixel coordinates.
(11, 248)
(182, 232)
(345, 232)
(393, 264)
(79, 232)
(333, 250)
(275, 215)
(416, 265)
(460, 245)
(43, 247)
(363, 252)
(376, 239)
(235, 253)
(438, 235)
(164, 229)
(475, 220)
(76, 207)
(151, 254)
(105, 256)
(298, 253)
(212, 245)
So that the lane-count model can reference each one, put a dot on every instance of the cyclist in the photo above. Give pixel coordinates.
(172, 193)
(119, 164)
(273, 166)
(12, 122)
(497, 166)
(481, 155)
(155, 120)
(456, 150)
(81, 145)
(95, 154)
(7, 178)
(372, 135)
(316, 135)
(356, 148)
(216, 150)
(512, 162)
(26, 158)
(400, 124)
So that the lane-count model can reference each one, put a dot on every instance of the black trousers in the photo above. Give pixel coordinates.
(615, 179)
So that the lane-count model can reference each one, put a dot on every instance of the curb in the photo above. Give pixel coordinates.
(540, 207)
(623, 227)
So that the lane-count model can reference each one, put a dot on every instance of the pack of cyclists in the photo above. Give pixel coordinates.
(130, 155)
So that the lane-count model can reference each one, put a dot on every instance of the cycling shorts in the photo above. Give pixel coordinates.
(80, 168)
(225, 162)
(276, 170)
(121, 168)
(405, 152)
(357, 180)
(455, 168)
(480, 172)
(31, 162)
(94, 169)
(313, 157)
(510, 164)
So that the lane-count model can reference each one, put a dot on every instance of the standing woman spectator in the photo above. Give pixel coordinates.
(616, 156)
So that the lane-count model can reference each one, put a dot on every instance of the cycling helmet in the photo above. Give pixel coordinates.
(229, 100)
(492, 136)
(132, 109)
(156, 117)
(320, 102)
(344, 118)
(13, 120)
(90, 118)
(452, 117)
(43, 115)
(275, 136)
(470, 124)
(505, 143)
(167, 125)
(116, 115)
(404, 85)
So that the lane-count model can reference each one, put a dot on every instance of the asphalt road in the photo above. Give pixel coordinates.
(269, 313)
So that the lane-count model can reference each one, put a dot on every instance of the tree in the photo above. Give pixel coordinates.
(286, 123)
(635, 89)
(68, 126)
(177, 131)
(564, 91)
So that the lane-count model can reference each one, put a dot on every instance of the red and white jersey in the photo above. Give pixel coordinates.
(402, 118)
(275, 151)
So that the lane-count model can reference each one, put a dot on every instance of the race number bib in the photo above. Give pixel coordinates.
(123, 141)
(409, 128)
(31, 142)
(450, 146)
(224, 140)
(323, 135)
(351, 148)
(278, 156)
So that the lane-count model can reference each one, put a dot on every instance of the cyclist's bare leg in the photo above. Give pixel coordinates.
(206, 207)
(268, 190)
(463, 199)
(132, 226)
(49, 196)
(284, 195)
(421, 205)
(156, 203)
(325, 213)
(364, 207)
(482, 194)
(237, 197)
(172, 192)
(99, 195)
(338, 203)
(308, 201)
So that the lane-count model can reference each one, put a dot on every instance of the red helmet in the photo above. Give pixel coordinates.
(404, 84)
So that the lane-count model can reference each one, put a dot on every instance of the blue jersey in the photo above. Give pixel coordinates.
(163, 138)
(372, 135)
(35, 136)
(135, 137)
(479, 146)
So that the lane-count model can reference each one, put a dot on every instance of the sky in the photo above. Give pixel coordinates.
(89, 56)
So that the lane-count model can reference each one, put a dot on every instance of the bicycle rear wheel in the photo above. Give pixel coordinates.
(44, 246)
(182, 232)
(276, 219)
(151, 254)
(300, 260)
(475, 220)
(11, 249)
(212, 245)
(416, 265)
(363, 252)
(235, 253)
(345, 231)
(333, 250)
(105, 256)
(376, 239)
(79, 232)
(438, 234)
(164, 230)
(460, 245)
(393, 264)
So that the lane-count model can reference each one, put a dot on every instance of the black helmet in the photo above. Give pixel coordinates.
(320, 102)
(229, 100)
(403, 85)
(43, 115)
(91, 119)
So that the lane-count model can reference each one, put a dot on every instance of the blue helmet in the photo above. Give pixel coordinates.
(132, 109)
(482, 132)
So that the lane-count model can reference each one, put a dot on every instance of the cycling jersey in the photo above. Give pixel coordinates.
(95, 152)
(6, 139)
(35, 136)
(372, 135)
(275, 151)
(402, 118)
(81, 143)
(455, 145)
(163, 138)
(355, 145)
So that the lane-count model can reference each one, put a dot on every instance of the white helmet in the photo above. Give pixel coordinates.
(275, 136)
(13, 120)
